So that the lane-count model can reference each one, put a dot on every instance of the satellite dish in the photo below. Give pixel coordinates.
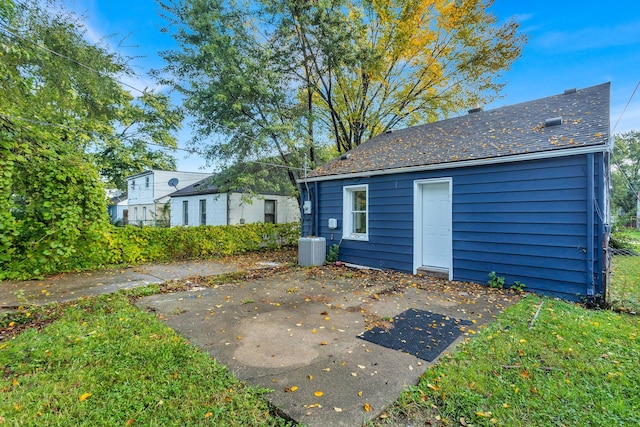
(173, 182)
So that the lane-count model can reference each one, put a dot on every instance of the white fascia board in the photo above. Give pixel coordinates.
(464, 163)
(139, 174)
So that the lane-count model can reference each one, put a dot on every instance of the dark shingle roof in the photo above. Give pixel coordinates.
(204, 186)
(507, 131)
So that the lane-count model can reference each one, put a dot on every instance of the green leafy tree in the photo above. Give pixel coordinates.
(286, 77)
(66, 127)
(625, 174)
(64, 80)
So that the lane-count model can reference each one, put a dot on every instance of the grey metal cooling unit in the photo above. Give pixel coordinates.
(312, 251)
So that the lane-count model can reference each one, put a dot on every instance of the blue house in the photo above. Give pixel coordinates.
(521, 190)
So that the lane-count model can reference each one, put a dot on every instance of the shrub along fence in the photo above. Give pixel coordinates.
(136, 245)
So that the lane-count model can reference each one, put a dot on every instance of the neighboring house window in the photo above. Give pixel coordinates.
(270, 211)
(185, 212)
(135, 215)
(203, 212)
(355, 212)
(133, 184)
(144, 215)
(146, 182)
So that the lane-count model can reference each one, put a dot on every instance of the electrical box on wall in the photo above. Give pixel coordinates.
(306, 207)
(333, 223)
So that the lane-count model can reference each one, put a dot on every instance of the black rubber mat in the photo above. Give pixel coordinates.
(421, 333)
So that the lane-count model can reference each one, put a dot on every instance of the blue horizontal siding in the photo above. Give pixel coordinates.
(526, 220)
(566, 206)
(531, 196)
(566, 229)
(521, 218)
(506, 249)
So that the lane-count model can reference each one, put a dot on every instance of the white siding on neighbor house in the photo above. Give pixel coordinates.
(142, 192)
(216, 205)
(244, 212)
(147, 188)
(137, 214)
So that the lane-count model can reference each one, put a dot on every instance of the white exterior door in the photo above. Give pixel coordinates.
(432, 225)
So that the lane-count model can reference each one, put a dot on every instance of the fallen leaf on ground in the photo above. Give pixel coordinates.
(367, 407)
(290, 389)
(84, 397)
(318, 393)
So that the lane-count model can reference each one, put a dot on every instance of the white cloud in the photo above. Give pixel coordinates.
(590, 38)
(522, 17)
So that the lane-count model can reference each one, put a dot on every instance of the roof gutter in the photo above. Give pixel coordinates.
(468, 163)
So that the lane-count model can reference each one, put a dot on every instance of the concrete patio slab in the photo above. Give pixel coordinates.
(296, 333)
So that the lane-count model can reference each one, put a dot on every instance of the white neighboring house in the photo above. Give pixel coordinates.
(202, 204)
(148, 193)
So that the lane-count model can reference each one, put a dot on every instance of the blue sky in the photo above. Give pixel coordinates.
(571, 44)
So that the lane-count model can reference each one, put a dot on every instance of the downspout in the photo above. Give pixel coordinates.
(590, 218)
(228, 207)
(315, 206)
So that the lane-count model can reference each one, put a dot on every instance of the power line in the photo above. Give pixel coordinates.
(625, 107)
(106, 75)
(94, 133)
(53, 52)
(88, 132)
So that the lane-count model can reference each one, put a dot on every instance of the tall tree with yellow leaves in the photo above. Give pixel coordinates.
(284, 77)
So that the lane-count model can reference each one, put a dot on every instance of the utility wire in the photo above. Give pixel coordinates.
(53, 52)
(625, 107)
(88, 132)
(106, 75)
(94, 133)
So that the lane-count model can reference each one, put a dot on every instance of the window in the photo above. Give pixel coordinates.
(144, 215)
(146, 182)
(185, 212)
(270, 211)
(135, 215)
(133, 184)
(355, 212)
(203, 212)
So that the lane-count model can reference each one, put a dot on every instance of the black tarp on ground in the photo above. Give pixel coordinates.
(422, 333)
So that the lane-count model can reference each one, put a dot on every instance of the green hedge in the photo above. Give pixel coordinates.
(135, 245)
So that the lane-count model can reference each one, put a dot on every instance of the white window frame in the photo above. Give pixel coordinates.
(347, 212)
(146, 182)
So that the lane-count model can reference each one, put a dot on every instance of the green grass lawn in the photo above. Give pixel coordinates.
(624, 284)
(104, 362)
(574, 367)
(624, 287)
(630, 234)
